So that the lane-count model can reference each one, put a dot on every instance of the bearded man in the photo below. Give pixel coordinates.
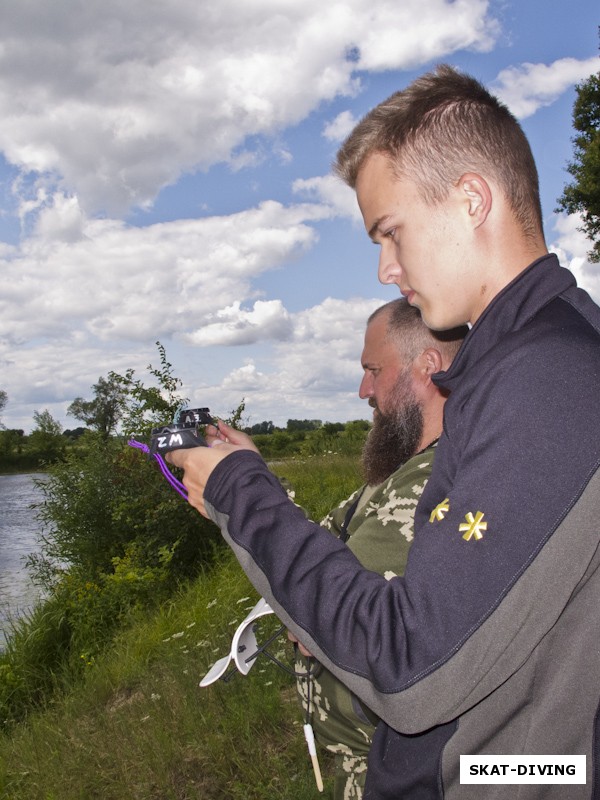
(399, 357)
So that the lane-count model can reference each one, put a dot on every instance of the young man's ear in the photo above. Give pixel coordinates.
(477, 195)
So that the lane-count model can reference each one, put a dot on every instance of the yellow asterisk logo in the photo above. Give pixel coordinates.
(440, 511)
(473, 526)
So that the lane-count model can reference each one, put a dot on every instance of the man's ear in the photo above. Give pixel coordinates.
(429, 362)
(478, 196)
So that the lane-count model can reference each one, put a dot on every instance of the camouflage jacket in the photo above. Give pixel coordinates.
(379, 532)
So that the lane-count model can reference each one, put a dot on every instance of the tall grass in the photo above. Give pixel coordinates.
(137, 725)
(320, 482)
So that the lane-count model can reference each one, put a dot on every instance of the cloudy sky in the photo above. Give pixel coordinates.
(165, 175)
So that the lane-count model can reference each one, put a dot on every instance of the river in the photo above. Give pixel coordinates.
(18, 538)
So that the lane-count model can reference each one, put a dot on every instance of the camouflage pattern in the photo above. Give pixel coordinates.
(381, 531)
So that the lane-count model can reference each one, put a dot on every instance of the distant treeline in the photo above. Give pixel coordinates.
(49, 445)
(309, 437)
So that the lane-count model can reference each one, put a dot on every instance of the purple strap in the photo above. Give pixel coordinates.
(175, 483)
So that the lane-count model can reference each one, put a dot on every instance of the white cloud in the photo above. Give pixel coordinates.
(333, 193)
(340, 127)
(234, 325)
(82, 297)
(400, 35)
(112, 101)
(528, 87)
(118, 282)
(572, 247)
(314, 375)
(50, 375)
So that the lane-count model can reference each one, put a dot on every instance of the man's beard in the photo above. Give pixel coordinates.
(395, 435)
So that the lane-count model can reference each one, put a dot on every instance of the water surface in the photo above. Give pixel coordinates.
(18, 538)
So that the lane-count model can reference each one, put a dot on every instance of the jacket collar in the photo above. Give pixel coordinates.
(511, 309)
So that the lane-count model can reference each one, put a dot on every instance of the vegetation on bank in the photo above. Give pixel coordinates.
(99, 691)
(130, 720)
(138, 725)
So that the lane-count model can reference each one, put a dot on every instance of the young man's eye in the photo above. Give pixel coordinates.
(390, 234)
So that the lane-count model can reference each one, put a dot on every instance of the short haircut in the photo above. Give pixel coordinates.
(440, 127)
(405, 325)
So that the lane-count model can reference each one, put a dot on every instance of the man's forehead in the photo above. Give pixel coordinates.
(375, 170)
(380, 190)
(378, 343)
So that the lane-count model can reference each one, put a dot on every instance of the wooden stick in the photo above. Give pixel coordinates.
(310, 741)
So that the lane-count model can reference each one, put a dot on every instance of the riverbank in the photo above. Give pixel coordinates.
(140, 727)
(99, 687)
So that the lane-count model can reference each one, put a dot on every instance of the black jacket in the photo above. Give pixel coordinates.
(490, 643)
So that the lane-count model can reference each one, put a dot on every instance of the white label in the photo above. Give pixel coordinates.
(522, 769)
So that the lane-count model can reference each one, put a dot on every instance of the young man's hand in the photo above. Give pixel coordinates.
(198, 464)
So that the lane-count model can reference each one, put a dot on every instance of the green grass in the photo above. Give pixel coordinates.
(138, 726)
(320, 482)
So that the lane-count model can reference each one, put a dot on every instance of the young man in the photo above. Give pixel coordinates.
(399, 357)
(489, 642)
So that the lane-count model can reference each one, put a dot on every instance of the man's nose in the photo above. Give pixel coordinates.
(365, 389)
(389, 270)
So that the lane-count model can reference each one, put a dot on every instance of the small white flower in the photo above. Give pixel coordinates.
(243, 600)
(191, 625)
(177, 635)
(154, 697)
(212, 603)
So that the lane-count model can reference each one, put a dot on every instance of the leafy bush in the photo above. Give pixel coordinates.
(112, 502)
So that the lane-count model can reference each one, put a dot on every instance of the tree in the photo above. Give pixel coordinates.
(3, 401)
(103, 413)
(583, 194)
(265, 427)
(303, 425)
(109, 517)
(74, 434)
(146, 407)
(46, 438)
(11, 441)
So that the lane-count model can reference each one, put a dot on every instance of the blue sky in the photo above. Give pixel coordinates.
(165, 175)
